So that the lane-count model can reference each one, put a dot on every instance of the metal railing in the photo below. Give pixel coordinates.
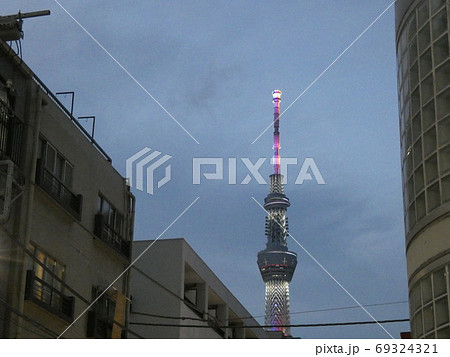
(56, 189)
(49, 297)
(112, 238)
(99, 326)
(70, 116)
(11, 134)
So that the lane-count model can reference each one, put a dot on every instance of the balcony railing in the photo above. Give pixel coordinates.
(56, 189)
(212, 322)
(11, 133)
(112, 238)
(48, 297)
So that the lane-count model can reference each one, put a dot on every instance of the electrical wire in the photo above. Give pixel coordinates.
(170, 292)
(252, 317)
(168, 317)
(30, 320)
(52, 333)
(62, 282)
(20, 48)
(276, 326)
(28, 329)
(196, 310)
(239, 318)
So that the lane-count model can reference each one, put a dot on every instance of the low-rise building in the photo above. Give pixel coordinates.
(176, 295)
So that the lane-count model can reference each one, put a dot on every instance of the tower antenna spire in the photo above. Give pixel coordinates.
(276, 94)
(277, 264)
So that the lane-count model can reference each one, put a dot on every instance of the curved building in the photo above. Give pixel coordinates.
(422, 37)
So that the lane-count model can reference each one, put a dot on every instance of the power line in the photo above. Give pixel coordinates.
(239, 318)
(132, 263)
(251, 317)
(28, 329)
(30, 320)
(170, 292)
(31, 255)
(270, 326)
(62, 282)
(169, 317)
(349, 307)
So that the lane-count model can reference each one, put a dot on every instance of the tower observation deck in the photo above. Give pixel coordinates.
(276, 263)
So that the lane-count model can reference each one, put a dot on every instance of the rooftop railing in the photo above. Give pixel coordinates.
(70, 116)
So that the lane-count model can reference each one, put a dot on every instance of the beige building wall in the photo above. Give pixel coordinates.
(171, 285)
(57, 254)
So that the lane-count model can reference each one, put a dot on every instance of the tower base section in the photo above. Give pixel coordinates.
(277, 305)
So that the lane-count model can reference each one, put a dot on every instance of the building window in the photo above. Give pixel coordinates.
(55, 163)
(43, 285)
(7, 93)
(54, 174)
(423, 60)
(107, 317)
(429, 304)
(109, 226)
(11, 131)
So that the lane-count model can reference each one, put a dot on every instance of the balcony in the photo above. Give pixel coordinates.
(99, 326)
(48, 297)
(109, 236)
(11, 133)
(71, 202)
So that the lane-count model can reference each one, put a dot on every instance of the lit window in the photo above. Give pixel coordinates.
(44, 285)
(47, 288)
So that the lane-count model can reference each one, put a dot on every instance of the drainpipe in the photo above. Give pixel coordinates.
(27, 211)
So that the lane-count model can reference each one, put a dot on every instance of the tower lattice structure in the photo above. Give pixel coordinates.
(276, 263)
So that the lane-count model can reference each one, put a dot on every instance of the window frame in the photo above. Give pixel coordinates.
(43, 153)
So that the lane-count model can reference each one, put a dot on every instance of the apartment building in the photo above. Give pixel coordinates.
(66, 218)
(176, 295)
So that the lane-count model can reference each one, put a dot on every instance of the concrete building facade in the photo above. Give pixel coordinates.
(422, 37)
(173, 291)
(66, 219)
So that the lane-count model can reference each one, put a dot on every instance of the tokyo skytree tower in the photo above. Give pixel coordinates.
(276, 263)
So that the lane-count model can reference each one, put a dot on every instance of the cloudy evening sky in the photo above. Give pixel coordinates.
(213, 65)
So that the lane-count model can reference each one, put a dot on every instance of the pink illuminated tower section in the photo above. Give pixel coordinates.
(276, 94)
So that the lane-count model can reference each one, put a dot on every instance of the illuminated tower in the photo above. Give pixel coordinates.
(276, 263)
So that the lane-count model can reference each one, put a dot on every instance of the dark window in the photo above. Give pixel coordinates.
(55, 163)
(109, 226)
(102, 319)
(54, 174)
(11, 133)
